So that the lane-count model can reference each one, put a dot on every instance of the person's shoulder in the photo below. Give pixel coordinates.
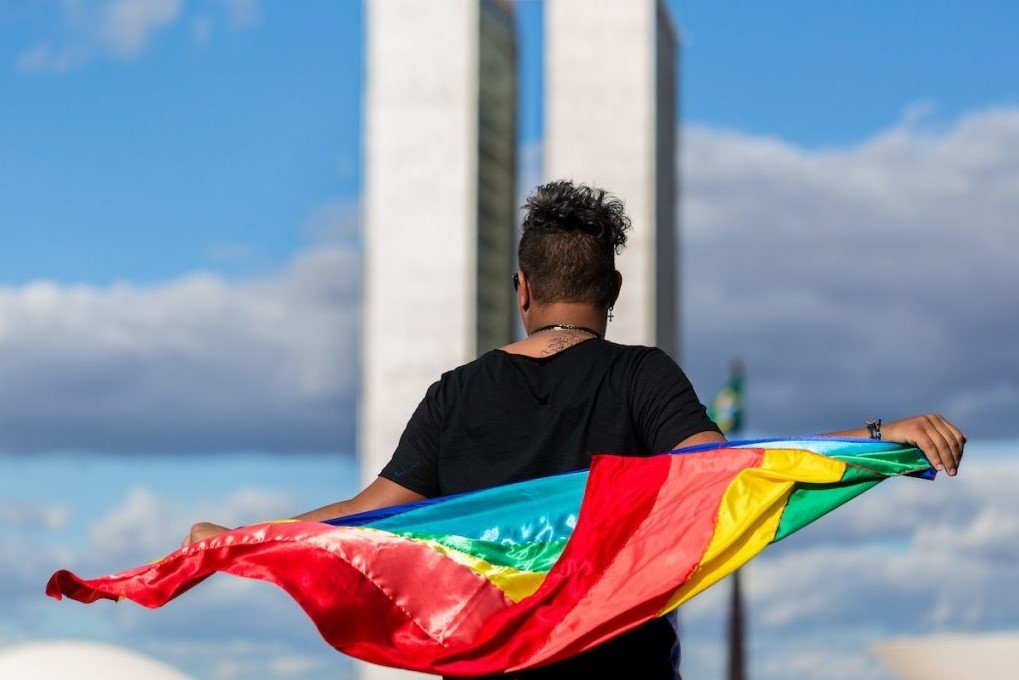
(645, 362)
(636, 352)
(618, 346)
(443, 390)
(466, 370)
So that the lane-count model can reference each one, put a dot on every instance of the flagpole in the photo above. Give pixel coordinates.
(727, 412)
(737, 660)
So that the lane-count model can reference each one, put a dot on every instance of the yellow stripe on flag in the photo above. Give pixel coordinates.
(514, 583)
(750, 511)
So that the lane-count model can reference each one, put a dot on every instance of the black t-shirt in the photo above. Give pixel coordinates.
(505, 418)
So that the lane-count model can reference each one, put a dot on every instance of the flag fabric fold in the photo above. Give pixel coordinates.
(527, 574)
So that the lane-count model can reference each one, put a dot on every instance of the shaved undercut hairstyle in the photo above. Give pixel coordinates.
(570, 237)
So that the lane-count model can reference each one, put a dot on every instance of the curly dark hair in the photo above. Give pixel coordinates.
(570, 237)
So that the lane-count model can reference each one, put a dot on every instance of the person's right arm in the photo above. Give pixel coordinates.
(381, 493)
(414, 462)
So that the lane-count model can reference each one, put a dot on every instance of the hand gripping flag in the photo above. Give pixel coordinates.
(534, 572)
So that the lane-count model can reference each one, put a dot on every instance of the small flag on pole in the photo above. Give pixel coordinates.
(727, 408)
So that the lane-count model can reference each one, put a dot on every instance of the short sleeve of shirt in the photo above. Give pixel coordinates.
(663, 404)
(415, 463)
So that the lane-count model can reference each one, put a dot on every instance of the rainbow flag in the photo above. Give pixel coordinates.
(526, 574)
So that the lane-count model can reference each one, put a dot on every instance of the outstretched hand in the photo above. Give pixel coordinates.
(202, 531)
(937, 438)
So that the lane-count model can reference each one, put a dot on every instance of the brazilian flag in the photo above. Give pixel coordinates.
(727, 408)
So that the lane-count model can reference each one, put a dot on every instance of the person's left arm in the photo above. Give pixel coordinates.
(706, 437)
(665, 407)
(939, 440)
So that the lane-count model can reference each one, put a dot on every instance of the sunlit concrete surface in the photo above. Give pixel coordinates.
(981, 656)
(610, 120)
(439, 206)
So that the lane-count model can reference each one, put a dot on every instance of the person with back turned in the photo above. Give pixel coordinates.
(543, 405)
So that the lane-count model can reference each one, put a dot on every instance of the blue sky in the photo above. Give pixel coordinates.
(180, 286)
(832, 73)
(209, 149)
(187, 155)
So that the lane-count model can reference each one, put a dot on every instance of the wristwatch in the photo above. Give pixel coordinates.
(874, 427)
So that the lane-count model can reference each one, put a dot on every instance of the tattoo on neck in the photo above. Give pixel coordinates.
(559, 343)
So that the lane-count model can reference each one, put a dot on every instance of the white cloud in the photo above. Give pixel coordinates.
(144, 526)
(24, 562)
(24, 514)
(232, 252)
(195, 364)
(44, 58)
(126, 26)
(243, 13)
(123, 29)
(201, 30)
(857, 281)
(917, 112)
(335, 223)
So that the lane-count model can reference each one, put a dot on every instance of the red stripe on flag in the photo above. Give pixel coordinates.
(639, 569)
(373, 595)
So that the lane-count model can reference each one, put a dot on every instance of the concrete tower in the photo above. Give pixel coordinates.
(439, 205)
(610, 120)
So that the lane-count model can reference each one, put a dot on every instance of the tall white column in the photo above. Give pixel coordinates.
(435, 251)
(610, 121)
(420, 153)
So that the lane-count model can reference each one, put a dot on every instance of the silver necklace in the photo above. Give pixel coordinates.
(565, 327)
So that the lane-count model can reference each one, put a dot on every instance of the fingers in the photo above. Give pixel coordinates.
(952, 441)
(199, 532)
(957, 433)
(940, 443)
(929, 447)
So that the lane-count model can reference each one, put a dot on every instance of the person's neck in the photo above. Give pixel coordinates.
(567, 313)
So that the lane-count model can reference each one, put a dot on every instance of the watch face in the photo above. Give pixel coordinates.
(874, 428)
